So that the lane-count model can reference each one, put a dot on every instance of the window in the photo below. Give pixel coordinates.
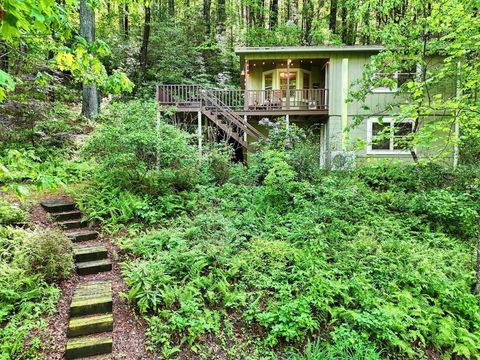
(390, 82)
(387, 136)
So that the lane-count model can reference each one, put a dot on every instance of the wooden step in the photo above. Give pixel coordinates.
(88, 325)
(73, 224)
(93, 297)
(93, 267)
(84, 253)
(67, 215)
(83, 235)
(88, 346)
(57, 206)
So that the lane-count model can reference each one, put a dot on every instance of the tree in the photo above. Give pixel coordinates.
(90, 101)
(145, 41)
(437, 56)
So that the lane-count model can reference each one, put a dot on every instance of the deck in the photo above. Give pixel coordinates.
(246, 102)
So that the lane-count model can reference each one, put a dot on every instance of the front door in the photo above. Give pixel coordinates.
(288, 80)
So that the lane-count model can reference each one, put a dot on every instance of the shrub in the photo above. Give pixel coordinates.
(11, 214)
(48, 254)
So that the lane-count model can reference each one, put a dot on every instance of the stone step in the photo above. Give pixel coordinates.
(73, 224)
(84, 253)
(93, 267)
(67, 215)
(83, 235)
(56, 206)
(88, 325)
(88, 346)
(93, 297)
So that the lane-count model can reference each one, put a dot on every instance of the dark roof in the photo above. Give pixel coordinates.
(303, 49)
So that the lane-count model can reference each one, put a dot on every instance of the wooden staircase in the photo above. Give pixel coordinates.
(90, 327)
(195, 96)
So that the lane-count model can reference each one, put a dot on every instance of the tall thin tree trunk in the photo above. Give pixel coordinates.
(126, 26)
(221, 16)
(206, 15)
(145, 41)
(171, 7)
(332, 21)
(273, 18)
(87, 30)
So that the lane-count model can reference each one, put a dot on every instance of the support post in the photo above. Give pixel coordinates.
(245, 118)
(456, 150)
(344, 102)
(199, 131)
(245, 97)
(288, 85)
(287, 121)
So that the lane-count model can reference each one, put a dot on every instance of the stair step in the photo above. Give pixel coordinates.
(56, 206)
(88, 325)
(67, 215)
(92, 297)
(84, 253)
(73, 224)
(93, 267)
(88, 346)
(83, 235)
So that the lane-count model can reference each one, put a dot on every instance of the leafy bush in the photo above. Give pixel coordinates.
(29, 263)
(11, 214)
(49, 255)
(338, 255)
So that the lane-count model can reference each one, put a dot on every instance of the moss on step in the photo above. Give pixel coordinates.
(89, 252)
(88, 346)
(93, 267)
(83, 236)
(90, 325)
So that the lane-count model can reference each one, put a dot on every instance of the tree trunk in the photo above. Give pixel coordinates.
(87, 30)
(126, 28)
(171, 7)
(273, 18)
(477, 288)
(221, 16)
(206, 15)
(145, 41)
(332, 21)
(307, 21)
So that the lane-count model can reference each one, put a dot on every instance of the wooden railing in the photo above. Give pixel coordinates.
(189, 96)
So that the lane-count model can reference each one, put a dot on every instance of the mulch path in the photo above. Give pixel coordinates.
(128, 327)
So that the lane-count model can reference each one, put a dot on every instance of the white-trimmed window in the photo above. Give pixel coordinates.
(388, 136)
(390, 82)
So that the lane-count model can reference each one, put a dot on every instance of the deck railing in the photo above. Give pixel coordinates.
(189, 96)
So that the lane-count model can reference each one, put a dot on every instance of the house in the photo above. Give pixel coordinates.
(305, 85)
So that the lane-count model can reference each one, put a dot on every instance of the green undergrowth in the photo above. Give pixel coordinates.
(279, 259)
(31, 263)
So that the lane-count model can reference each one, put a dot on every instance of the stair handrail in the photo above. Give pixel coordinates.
(245, 126)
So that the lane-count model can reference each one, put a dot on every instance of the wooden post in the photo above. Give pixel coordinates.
(288, 85)
(199, 131)
(344, 102)
(456, 150)
(245, 118)
(245, 97)
(287, 121)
